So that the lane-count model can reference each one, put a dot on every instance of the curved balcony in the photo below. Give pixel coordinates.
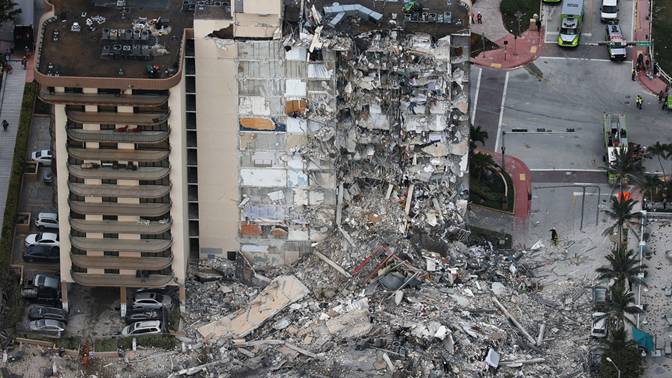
(128, 263)
(122, 245)
(142, 156)
(145, 137)
(113, 208)
(116, 227)
(119, 280)
(103, 99)
(140, 119)
(119, 191)
(101, 173)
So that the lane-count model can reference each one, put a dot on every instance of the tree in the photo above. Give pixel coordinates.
(624, 354)
(648, 185)
(623, 267)
(8, 10)
(625, 166)
(621, 212)
(621, 305)
(658, 150)
(476, 135)
(480, 163)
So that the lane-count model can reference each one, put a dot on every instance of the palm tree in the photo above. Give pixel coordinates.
(625, 355)
(621, 212)
(658, 150)
(623, 267)
(476, 135)
(625, 166)
(621, 305)
(649, 185)
(8, 10)
(479, 163)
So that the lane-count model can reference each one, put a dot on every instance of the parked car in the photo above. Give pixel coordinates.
(142, 328)
(151, 300)
(43, 157)
(599, 328)
(44, 288)
(595, 360)
(44, 312)
(43, 238)
(42, 253)
(47, 176)
(47, 327)
(47, 221)
(600, 296)
(142, 314)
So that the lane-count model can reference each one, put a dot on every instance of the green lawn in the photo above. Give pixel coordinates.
(662, 34)
(489, 192)
(509, 9)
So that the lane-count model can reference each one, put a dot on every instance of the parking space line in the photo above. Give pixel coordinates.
(475, 104)
(566, 170)
(572, 58)
(501, 111)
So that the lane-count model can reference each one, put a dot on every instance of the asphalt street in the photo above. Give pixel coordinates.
(486, 100)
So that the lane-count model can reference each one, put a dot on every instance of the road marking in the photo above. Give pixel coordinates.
(496, 65)
(501, 111)
(533, 50)
(578, 194)
(478, 87)
(571, 58)
(566, 170)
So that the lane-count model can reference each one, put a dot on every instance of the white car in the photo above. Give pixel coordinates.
(47, 221)
(43, 157)
(47, 327)
(44, 238)
(142, 328)
(599, 328)
(150, 300)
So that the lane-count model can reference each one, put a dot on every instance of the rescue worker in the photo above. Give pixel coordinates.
(639, 101)
(634, 73)
(5, 125)
(554, 236)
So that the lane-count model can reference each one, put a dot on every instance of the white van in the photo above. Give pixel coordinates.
(609, 11)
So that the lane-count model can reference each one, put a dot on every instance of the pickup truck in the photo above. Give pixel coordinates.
(43, 288)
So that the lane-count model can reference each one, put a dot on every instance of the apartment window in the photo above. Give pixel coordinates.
(111, 271)
(111, 254)
(110, 199)
(109, 181)
(111, 236)
(107, 109)
(73, 90)
(110, 217)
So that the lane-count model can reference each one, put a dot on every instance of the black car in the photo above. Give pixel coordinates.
(41, 253)
(43, 312)
(141, 314)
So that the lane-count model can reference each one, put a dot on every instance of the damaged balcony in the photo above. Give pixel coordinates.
(119, 191)
(102, 173)
(125, 263)
(140, 119)
(125, 245)
(119, 280)
(104, 99)
(116, 227)
(114, 208)
(145, 137)
(143, 156)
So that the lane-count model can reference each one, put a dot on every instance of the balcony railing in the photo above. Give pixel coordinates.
(119, 280)
(116, 227)
(122, 245)
(141, 173)
(146, 137)
(119, 191)
(143, 156)
(113, 208)
(128, 263)
(141, 119)
(102, 99)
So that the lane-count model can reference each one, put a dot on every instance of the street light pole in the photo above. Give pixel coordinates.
(503, 148)
(617, 369)
(518, 16)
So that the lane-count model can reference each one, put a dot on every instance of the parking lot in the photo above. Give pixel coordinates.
(593, 30)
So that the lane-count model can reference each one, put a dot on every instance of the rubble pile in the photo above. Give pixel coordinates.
(467, 312)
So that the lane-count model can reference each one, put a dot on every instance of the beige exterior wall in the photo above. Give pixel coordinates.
(217, 138)
(262, 6)
(61, 154)
(178, 177)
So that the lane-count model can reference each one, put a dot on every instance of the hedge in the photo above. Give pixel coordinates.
(12, 204)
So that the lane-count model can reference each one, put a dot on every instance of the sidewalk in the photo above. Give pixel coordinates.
(11, 96)
(642, 27)
(527, 47)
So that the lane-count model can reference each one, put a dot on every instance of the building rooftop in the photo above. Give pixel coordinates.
(110, 38)
(436, 17)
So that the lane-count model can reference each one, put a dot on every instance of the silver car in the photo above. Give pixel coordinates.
(151, 300)
(47, 327)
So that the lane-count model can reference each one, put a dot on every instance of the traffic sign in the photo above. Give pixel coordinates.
(643, 43)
